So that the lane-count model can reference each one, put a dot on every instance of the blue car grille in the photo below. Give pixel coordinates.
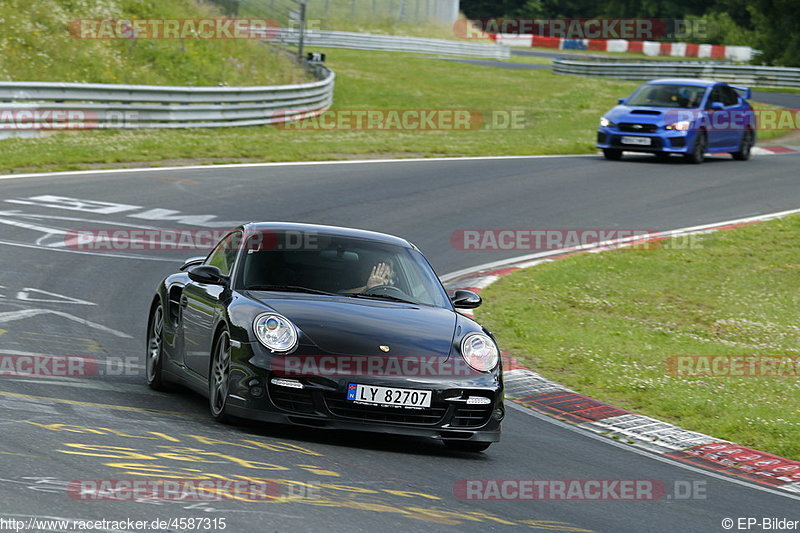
(637, 128)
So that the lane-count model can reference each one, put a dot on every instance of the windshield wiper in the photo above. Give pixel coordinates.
(290, 288)
(381, 297)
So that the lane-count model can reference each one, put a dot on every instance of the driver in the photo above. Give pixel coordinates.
(381, 274)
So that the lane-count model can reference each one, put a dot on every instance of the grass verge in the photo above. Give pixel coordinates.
(604, 324)
(560, 114)
(36, 44)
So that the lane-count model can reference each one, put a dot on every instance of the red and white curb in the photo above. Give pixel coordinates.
(650, 48)
(530, 389)
(768, 150)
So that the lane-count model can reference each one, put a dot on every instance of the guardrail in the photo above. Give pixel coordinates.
(389, 43)
(32, 106)
(754, 76)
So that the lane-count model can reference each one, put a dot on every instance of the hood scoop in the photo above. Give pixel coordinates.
(645, 112)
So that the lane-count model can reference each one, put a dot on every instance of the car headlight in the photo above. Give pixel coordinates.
(275, 331)
(480, 352)
(682, 125)
(604, 122)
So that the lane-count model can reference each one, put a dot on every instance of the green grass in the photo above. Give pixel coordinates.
(36, 45)
(561, 116)
(604, 324)
(777, 90)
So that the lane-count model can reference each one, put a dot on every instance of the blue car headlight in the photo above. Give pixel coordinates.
(682, 125)
(605, 123)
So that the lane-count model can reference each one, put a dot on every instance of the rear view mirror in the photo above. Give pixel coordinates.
(192, 261)
(208, 274)
(462, 299)
(339, 255)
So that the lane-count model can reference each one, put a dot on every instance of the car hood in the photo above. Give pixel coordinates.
(660, 116)
(358, 327)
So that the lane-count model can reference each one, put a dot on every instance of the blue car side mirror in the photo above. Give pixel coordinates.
(622, 100)
(717, 106)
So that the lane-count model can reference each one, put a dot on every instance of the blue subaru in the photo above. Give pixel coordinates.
(680, 116)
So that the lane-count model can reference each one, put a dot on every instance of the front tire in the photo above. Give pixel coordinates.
(467, 446)
(155, 349)
(219, 377)
(745, 147)
(698, 153)
(612, 154)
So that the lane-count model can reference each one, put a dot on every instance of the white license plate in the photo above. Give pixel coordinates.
(375, 395)
(643, 141)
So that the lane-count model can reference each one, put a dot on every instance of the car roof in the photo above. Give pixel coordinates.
(335, 231)
(683, 81)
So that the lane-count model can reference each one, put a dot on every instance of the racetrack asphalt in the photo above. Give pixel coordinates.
(56, 430)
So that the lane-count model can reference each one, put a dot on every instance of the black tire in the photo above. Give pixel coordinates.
(698, 153)
(218, 377)
(745, 147)
(467, 446)
(612, 154)
(154, 356)
(662, 156)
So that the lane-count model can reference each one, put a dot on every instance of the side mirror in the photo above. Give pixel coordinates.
(717, 106)
(210, 275)
(622, 100)
(462, 299)
(192, 261)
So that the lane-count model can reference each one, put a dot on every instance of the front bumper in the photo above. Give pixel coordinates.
(321, 403)
(667, 141)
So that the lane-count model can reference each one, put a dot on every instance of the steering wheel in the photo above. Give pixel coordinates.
(387, 290)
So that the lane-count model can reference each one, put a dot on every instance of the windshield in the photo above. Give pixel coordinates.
(325, 264)
(663, 95)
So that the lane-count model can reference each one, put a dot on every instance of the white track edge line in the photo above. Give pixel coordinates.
(667, 233)
(284, 164)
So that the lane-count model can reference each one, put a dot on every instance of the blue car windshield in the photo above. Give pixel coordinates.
(333, 264)
(666, 95)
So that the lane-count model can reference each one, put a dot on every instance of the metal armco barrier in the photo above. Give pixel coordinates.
(392, 43)
(755, 76)
(31, 106)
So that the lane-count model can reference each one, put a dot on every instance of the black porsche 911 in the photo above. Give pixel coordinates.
(327, 327)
